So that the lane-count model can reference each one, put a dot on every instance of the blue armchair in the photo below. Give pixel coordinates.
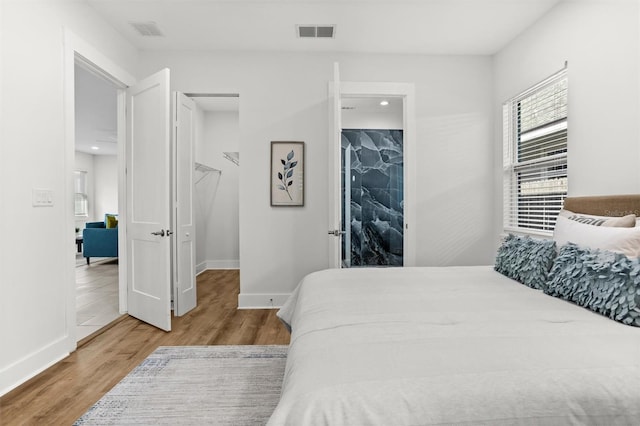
(99, 241)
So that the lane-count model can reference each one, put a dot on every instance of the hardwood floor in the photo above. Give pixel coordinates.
(96, 295)
(62, 393)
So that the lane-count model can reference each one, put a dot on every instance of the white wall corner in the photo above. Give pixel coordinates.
(201, 267)
(217, 264)
(262, 301)
(223, 264)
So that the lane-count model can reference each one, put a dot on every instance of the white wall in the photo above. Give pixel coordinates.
(287, 100)
(217, 218)
(204, 188)
(221, 233)
(106, 185)
(102, 184)
(600, 41)
(33, 308)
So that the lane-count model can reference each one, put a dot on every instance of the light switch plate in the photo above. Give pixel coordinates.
(42, 197)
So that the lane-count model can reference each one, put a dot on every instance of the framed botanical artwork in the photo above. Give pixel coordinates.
(287, 174)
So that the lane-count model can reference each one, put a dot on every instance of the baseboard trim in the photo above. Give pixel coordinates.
(19, 372)
(200, 268)
(217, 264)
(262, 301)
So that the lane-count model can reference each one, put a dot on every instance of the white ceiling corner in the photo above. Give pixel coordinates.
(452, 27)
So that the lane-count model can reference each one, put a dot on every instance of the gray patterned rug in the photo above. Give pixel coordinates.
(213, 385)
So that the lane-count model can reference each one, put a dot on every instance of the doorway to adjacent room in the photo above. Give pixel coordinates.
(95, 197)
(372, 181)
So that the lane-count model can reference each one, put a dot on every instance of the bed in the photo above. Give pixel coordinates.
(455, 345)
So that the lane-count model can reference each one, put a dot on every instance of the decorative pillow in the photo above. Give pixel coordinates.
(506, 260)
(603, 281)
(565, 275)
(619, 240)
(538, 260)
(628, 221)
(111, 221)
(526, 260)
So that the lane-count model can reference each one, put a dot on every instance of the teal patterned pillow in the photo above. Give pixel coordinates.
(526, 260)
(565, 273)
(502, 257)
(605, 282)
(507, 261)
(537, 263)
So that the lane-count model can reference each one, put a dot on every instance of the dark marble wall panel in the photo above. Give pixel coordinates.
(376, 197)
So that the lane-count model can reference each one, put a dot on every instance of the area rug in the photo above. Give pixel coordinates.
(213, 385)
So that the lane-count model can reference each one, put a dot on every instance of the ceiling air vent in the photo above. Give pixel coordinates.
(316, 31)
(147, 29)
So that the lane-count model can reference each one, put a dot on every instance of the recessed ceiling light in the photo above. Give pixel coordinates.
(384, 103)
(95, 147)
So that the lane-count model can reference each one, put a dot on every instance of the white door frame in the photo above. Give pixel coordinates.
(406, 91)
(76, 49)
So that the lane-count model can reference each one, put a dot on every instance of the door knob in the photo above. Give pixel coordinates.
(159, 233)
(169, 233)
(336, 232)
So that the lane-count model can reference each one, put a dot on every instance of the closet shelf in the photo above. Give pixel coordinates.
(234, 157)
(205, 170)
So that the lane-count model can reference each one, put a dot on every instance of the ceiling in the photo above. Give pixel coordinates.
(216, 103)
(460, 27)
(371, 104)
(96, 114)
(448, 27)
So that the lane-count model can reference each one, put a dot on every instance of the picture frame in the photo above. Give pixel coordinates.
(287, 174)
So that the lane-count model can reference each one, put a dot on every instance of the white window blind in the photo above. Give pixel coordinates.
(81, 200)
(535, 129)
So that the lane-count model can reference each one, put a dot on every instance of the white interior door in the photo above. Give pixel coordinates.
(335, 193)
(148, 200)
(184, 274)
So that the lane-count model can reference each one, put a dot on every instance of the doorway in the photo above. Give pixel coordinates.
(78, 52)
(144, 229)
(217, 160)
(371, 224)
(372, 181)
(95, 198)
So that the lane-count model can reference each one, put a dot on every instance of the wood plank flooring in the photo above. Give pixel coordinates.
(62, 393)
(96, 295)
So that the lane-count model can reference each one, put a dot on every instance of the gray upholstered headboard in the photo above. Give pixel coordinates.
(607, 205)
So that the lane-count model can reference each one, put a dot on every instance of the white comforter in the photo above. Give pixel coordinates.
(456, 345)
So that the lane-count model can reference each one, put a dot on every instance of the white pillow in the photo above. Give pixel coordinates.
(620, 240)
(628, 221)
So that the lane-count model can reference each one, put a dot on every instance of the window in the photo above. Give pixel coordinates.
(80, 196)
(535, 131)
